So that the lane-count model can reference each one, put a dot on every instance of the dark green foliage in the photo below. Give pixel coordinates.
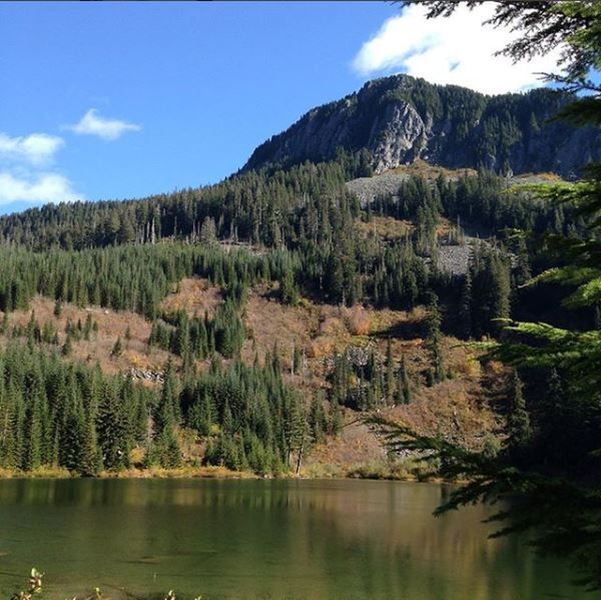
(117, 348)
(403, 387)
(289, 293)
(67, 348)
(305, 216)
(252, 419)
(362, 380)
(433, 341)
(465, 307)
(490, 290)
(319, 424)
(197, 337)
(208, 232)
(61, 414)
(257, 207)
(518, 419)
(124, 278)
(316, 247)
(113, 428)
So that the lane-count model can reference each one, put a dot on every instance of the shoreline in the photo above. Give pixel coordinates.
(220, 473)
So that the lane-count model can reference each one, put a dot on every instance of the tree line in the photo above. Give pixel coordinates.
(56, 413)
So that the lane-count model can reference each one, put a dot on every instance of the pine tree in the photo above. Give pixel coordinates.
(433, 341)
(33, 458)
(87, 329)
(288, 289)
(390, 378)
(169, 453)
(318, 421)
(208, 232)
(465, 307)
(117, 348)
(112, 430)
(518, 419)
(91, 459)
(403, 389)
(73, 439)
(4, 324)
(67, 348)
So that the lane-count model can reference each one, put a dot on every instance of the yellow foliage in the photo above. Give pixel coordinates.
(358, 320)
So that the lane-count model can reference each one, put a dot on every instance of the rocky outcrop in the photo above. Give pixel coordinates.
(398, 119)
(398, 136)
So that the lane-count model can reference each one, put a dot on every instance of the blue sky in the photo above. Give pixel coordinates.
(117, 100)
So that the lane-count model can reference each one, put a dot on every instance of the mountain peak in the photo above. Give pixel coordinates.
(397, 119)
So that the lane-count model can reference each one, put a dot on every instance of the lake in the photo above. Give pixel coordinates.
(261, 539)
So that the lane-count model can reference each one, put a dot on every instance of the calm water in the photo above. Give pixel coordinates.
(260, 539)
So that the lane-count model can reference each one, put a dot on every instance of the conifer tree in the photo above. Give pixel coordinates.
(390, 378)
(465, 307)
(288, 289)
(112, 430)
(117, 348)
(433, 341)
(67, 348)
(403, 389)
(518, 419)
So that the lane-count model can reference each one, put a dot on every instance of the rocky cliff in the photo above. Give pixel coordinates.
(394, 120)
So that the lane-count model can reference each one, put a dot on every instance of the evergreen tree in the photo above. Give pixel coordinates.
(67, 348)
(112, 430)
(433, 341)
(465, 308)
(518, 419)
(390, 378)
(403, 390)
(117, 348)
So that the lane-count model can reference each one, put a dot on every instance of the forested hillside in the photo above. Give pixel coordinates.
(223, 392)
(252, 323)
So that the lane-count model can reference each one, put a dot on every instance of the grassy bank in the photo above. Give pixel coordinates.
(407, 470)
(151, 473)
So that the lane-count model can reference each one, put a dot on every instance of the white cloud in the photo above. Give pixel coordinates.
(36, 148)
(453, 50)
(107, 129)
(25, 176)
(39, 188)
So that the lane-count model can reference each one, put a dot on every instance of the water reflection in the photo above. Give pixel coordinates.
(261, 539)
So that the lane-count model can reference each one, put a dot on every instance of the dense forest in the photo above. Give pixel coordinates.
(63, 414)
(296, 231)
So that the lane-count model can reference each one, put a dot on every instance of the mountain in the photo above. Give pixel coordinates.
(394, 120)
(250, 324)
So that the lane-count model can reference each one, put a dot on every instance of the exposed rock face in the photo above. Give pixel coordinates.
(397, 119)
(398, 136)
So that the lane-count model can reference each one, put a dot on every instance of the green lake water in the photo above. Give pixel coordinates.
(261, 539)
